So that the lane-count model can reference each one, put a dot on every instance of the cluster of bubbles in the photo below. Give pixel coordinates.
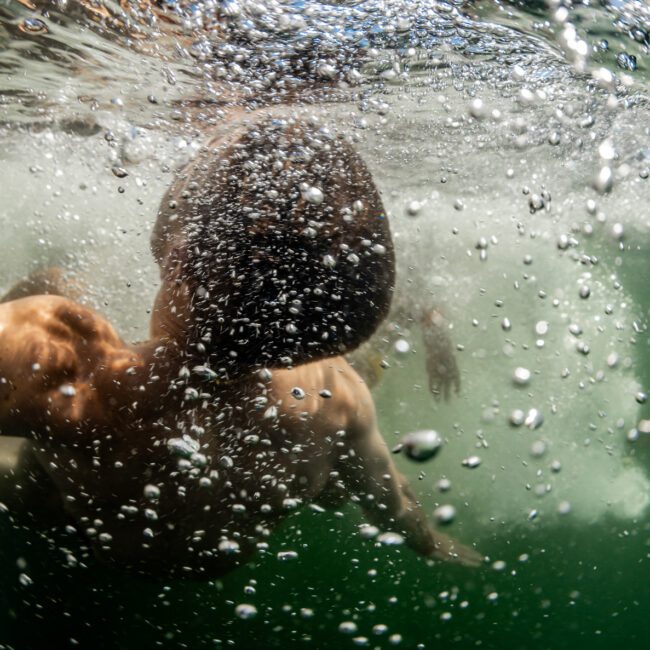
(632, 18)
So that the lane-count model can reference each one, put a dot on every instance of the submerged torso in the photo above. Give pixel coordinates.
(197, 490)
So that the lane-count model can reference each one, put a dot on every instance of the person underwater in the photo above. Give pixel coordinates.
(178, 455)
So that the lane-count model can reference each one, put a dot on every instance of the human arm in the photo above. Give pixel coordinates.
(442, 368)
(372, 479)
(440, 358)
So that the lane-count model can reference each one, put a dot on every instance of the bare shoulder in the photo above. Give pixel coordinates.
(329, 389)
(49, 347)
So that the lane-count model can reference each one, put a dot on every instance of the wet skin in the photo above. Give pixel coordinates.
(107, 419)
(102, 415)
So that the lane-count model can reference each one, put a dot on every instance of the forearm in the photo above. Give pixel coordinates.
(395, 509)
(412, 523)
(372, 480)
(389, 504)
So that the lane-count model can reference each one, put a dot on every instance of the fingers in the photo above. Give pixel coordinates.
(456, 380)
(443, 383)
(435, 386)
(444, 375)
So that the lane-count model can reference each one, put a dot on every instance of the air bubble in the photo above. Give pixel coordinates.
(313, 195)
(390, 539)
(604, 180)
(151, 492)
(538, 449)
(477, 109)
(472, 462)
(297, 393)
(25, 580)
(245, 611)
(443, 485)
(535, 203)
(402, 346)
(368, 531)
(285, 556)
(521, 376)
(33, 26)
(534, 419)
(517, 418)
(444, 514)
(67, 390)
(413, 208)
(348, 627)
(421, 446)
(541, 328)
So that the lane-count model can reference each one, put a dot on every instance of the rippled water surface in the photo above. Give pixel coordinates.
(511, 144)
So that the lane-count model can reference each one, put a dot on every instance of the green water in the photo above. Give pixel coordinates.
(582, 587)
(575, 581)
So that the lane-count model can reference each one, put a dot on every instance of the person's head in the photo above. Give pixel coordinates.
(280, 234)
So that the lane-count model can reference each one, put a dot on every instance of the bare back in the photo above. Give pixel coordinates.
(192, 488)
(59, 365)
(180, 454)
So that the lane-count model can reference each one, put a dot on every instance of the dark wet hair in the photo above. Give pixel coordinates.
(284, 241)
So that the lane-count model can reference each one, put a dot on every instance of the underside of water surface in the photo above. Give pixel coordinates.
(510, 142)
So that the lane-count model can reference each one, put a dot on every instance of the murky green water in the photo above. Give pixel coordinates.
(487, 131)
